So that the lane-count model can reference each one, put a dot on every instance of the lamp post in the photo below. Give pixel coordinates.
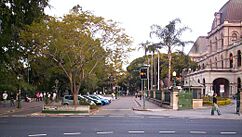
(174, 76)
(19, 93)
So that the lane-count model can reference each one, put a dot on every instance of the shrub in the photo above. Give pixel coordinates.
(221, 101)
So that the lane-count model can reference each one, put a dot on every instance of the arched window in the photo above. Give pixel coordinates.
(230, 60)
(198, 80)
(222, 41)
(239, 58)
(216, 44)
(203, 66)
(210, 46)
(234, 36)
(222, 62)
(204, 82)
(210, 61)
(216, 64)
(204, 85)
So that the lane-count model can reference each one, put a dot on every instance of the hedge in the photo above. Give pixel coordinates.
(221, 101)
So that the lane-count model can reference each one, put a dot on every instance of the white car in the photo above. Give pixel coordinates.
(108, 98)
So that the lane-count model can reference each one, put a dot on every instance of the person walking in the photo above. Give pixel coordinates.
(215, 105)
(5, 96)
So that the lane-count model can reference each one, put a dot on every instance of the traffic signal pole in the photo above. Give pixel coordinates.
(143, 94)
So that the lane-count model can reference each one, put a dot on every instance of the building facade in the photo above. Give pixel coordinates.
(219, 54)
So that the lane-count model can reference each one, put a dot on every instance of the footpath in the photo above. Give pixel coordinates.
(228, 112)
(6, 109)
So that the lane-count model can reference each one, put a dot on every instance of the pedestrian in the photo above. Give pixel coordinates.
(215, 105)
(5, 96)
(237, 103)
(41, 96)
(12, 97)
(54, 96)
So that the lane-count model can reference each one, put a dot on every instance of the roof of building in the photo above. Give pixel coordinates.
(200, 46)
(231, 12)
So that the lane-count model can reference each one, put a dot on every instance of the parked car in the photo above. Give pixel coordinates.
(104, 101)
(68, 100)
(108, 98)
(96, 101)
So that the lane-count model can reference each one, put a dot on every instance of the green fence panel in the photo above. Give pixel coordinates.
(151, 94)
(185, 100)
(167, 96)
(158, 94)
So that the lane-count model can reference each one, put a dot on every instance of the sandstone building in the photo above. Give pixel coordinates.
(219, 54)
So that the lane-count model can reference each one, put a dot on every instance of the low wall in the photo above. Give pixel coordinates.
(197, 103)
(66, 109)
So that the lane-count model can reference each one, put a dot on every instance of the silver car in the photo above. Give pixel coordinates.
(68, 100)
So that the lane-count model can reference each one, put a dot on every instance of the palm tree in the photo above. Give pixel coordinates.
(153, 48)
(169, 37)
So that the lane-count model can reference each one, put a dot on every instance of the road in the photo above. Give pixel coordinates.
(125, 126)
(116, 120)
(121, 106)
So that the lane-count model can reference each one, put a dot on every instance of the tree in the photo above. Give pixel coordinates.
(169, 37)
(14, 15)
(78, 43)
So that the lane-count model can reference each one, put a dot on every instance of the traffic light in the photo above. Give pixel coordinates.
(143, 73)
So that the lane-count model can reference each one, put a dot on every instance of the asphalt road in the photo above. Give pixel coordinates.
(125, 126)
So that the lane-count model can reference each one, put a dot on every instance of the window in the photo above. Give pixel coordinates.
(230, 60)
(203, 66)
(222, 42)
(216, 44)
(216, 64)
(210, 61)
(222, 62)
(239, 58)
(210, 46)
(234, 36)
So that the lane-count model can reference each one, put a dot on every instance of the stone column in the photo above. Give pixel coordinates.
(174, 99)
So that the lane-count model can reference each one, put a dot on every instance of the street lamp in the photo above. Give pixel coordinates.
(19, 93)
(174, 76)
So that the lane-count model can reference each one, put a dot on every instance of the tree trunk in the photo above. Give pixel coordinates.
(151, 76)
(73, 90)
(169, 67)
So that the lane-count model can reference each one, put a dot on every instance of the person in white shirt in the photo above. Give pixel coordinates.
(5, 96)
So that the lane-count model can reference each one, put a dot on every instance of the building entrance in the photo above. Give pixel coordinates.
(221, 87)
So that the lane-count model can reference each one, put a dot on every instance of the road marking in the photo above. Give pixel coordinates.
(167, 132)
(198, 132)
(74, 133)
(37, 135)
(104, 132)
(19, 116)
(228, 133)
(136, 132)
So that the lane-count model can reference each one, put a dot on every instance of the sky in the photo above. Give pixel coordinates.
(136, 16)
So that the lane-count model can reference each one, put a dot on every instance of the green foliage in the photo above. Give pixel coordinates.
(221, 101)
(14, 15)
(79, 45)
